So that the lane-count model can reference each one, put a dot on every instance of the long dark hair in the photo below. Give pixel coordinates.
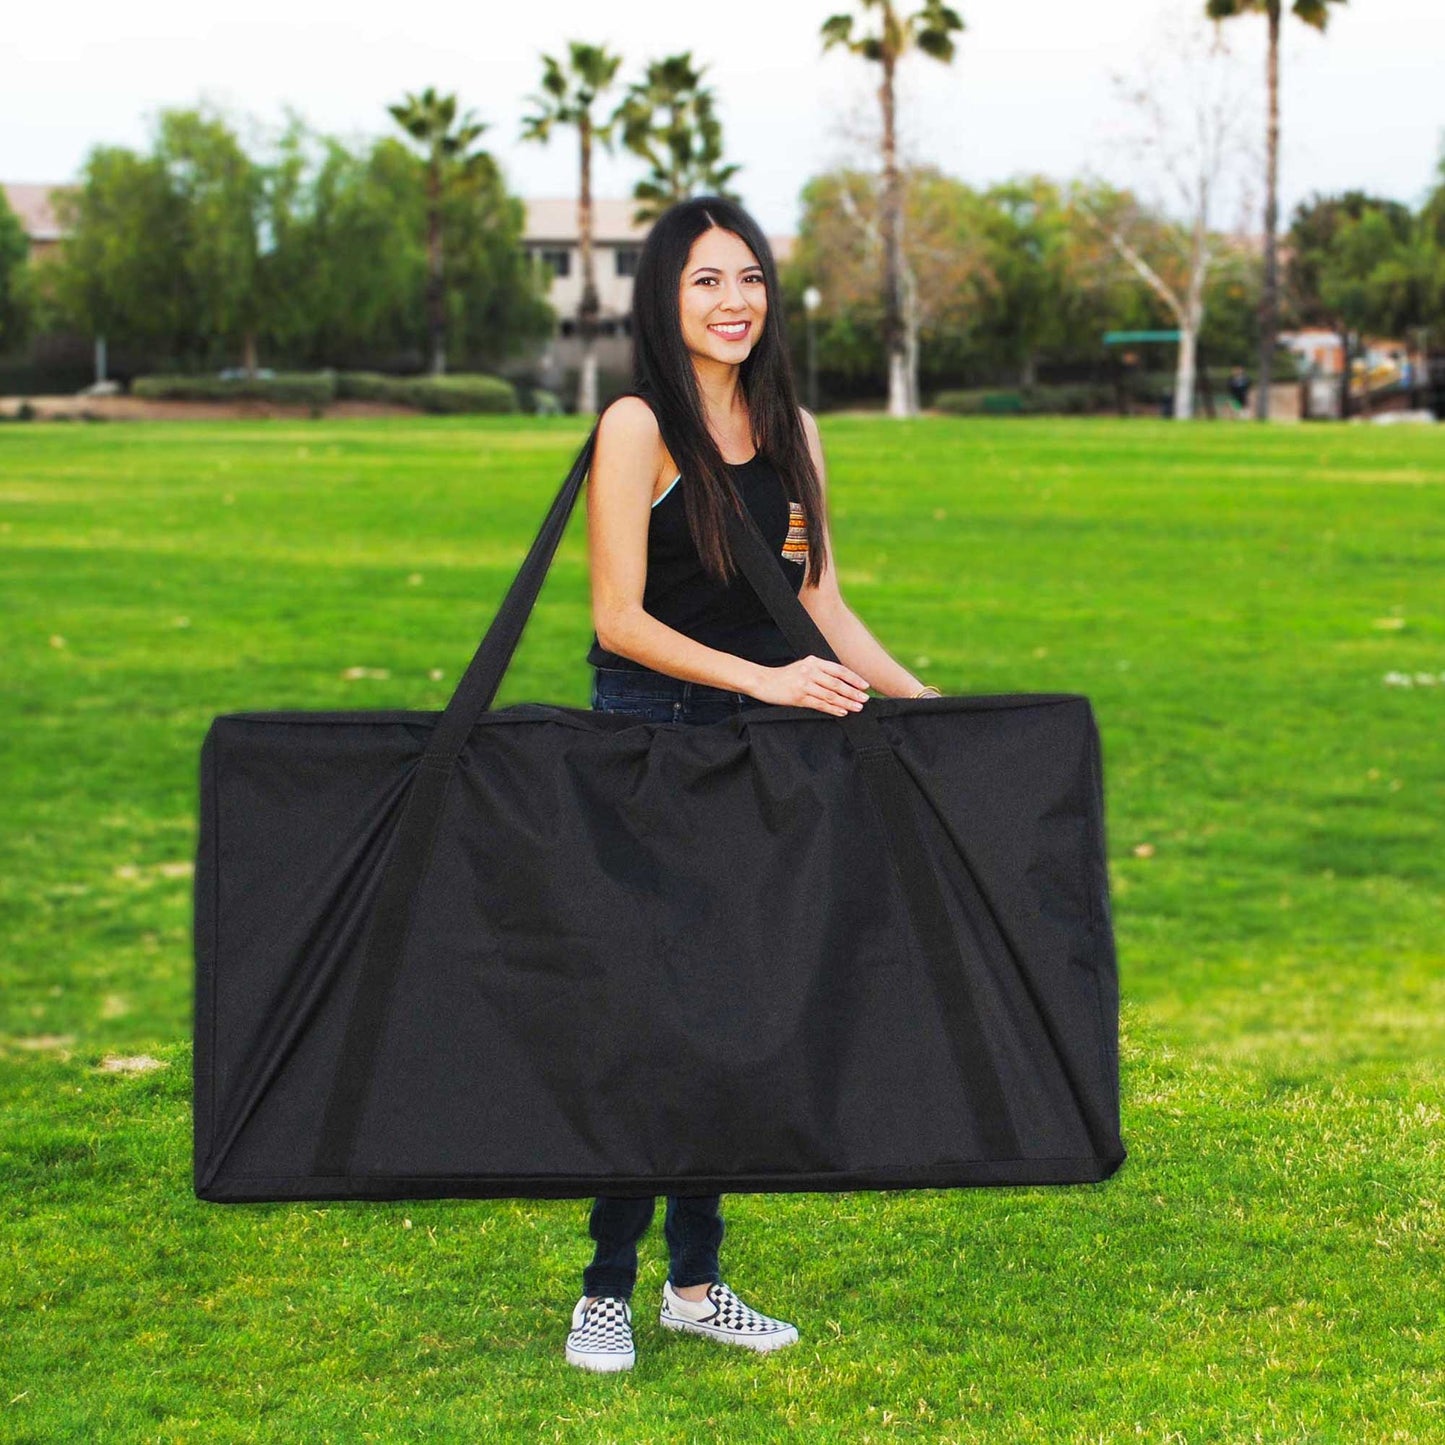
(662, 372)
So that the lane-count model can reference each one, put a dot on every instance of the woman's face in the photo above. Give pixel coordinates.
(723, 298)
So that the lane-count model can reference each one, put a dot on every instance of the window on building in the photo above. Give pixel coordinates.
(627, 258)
(559, 258)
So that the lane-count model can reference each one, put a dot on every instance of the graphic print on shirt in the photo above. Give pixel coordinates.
(795, 545)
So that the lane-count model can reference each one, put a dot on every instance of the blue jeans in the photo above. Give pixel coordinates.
(693, 1223)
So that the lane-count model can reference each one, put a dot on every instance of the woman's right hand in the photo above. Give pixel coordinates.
(814, 682)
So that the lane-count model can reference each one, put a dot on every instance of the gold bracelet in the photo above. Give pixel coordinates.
(929, 691)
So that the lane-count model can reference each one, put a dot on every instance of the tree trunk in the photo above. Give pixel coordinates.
(1203, 390)
(1344, 374)
(909, 286)
(589, 307)
(893, 338)
(1191, 323)
(1269, 297)
(248, 353)
(436, 299)
(1184, 373)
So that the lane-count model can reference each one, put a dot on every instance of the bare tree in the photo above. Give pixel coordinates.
(1186, 137)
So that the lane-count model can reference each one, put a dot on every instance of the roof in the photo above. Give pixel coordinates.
(31, 203)
(554, 218)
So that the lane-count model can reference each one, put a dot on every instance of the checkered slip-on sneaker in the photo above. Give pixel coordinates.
(601, 1334)
(723, 1316)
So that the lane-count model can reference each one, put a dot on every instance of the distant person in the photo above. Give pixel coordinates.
(1239, 384)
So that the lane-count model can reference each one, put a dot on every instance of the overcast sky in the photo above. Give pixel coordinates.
(1029, 89)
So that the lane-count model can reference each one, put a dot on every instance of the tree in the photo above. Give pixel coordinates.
(1430, 247)
(220, 191)
(1185, 126)
(567, 99)
(1336, 243)
(928, 31)
(1315, 13)
(166, 252)
(350, 264)
(14, 291)
(171, 253)
(1049, 299)
(944, 265)
(350, 258)
(122, 272)
(315, 253)
(683, 147)
(431, 121)
(499, 298)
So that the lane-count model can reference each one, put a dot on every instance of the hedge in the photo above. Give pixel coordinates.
(445, 394)
(442, 394)
(307, 388)
(1077, 400)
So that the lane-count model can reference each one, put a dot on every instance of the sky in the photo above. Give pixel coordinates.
(1030, 89)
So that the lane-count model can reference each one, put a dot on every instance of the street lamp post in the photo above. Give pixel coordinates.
(811, 298)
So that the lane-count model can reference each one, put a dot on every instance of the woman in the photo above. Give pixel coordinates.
(680, 637)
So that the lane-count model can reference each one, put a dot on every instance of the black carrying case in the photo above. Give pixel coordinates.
(545, 951)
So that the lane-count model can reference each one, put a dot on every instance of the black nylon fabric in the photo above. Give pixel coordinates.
(547, 951)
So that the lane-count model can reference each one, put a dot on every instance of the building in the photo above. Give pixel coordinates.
(550, 236)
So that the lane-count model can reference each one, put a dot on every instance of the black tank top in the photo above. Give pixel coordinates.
(681, 594)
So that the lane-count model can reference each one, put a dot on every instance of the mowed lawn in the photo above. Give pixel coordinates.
(1258, 616)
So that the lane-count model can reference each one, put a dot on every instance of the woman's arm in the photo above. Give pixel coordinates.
(846, 634)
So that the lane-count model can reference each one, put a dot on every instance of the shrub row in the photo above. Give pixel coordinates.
(1078, 400)
(442, 394)
(308, 388)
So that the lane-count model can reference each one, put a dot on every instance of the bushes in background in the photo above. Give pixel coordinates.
(445, 395)
(441, 394)
(1078, 400)
(304, 388)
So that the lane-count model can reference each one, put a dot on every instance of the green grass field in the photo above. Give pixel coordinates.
(1258, 616)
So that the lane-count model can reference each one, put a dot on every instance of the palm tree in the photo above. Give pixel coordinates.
(684, 147)
(929, 32)
(1317, 14)
(567, 100)
(431, 120)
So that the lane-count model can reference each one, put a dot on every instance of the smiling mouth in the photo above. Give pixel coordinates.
(731, 331)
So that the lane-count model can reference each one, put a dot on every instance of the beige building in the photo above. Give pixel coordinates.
(550, 236)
